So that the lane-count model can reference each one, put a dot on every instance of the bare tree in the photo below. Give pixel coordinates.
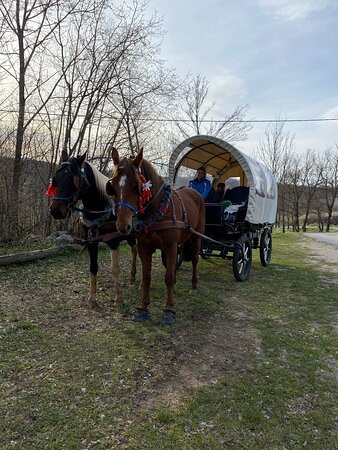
(330, 181)
(197, 110)
(27, 27)
(275, 151)
(318, 203)
(312, 174)
(295, 189)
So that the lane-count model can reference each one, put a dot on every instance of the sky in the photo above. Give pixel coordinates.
(278, 56)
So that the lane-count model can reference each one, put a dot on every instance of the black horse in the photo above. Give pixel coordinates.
(75, 180)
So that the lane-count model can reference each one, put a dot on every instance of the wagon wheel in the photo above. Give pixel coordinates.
(179, 258)
(265, 247)
(242, 257)
(203, 254)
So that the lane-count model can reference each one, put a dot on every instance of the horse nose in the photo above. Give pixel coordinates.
(55, 213)
(125, 230)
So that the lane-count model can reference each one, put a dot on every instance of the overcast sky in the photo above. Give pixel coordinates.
(279, 56)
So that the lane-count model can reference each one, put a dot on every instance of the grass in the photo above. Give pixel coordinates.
(24, 246)
(248, 365)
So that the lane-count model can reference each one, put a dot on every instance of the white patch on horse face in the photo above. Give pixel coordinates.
(121, 184)
(122, 181)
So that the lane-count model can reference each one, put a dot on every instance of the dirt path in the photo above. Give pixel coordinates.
(329, 238)
(322, 255)
(200, 356)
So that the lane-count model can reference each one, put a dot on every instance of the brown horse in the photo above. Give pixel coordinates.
(162, 218)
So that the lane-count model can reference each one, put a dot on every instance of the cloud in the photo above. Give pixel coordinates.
(227, 91)
(292, 10)
(332, 113)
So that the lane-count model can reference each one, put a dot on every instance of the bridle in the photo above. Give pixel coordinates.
(140, 224)
(137, 210)
(78, 179)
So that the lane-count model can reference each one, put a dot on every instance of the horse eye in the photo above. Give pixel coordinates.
(109, 188)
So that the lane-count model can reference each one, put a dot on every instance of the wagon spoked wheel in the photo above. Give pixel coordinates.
(203, 254)
(265, 247)
(242, 257)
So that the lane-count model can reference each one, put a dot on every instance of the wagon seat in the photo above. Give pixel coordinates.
(238, 195)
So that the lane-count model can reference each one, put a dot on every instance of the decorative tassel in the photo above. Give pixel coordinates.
(51, 191)
(145, 194)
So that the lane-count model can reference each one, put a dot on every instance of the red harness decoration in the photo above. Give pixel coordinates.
(145, 194)
(51, 191)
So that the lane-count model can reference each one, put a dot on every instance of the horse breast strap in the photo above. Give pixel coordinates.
(148, 224)
(185, 217)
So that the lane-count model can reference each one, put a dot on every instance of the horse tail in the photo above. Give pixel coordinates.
(187, 250)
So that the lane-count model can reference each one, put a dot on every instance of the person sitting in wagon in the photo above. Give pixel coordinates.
(218, 195)
(200, 183)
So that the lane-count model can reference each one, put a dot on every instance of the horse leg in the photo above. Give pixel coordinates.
(93, 252)
(145, 254)
(133, 263)
(170, 280)
(116, 274)
(196, 245)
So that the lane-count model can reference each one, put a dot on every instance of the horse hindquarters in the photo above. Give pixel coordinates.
(197, 222)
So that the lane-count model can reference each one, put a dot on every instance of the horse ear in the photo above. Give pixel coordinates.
(138, 158)
(82, 158)
(64, 156)
(115, 156)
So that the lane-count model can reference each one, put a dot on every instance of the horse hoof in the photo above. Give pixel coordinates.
(194, 291)
(141, 315)
(169, 317)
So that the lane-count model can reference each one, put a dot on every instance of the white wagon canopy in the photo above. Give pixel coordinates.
(222, 161)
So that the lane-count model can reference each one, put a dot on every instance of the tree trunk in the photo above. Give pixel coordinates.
(306, 218)
(328, 223)
(14, 206)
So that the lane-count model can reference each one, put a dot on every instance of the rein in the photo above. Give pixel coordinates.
(89, 211)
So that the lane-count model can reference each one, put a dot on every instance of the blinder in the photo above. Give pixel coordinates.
(71, 199)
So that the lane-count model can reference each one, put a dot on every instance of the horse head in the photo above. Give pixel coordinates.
(66, 185)
(126, 187)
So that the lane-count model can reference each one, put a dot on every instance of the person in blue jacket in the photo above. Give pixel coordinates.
(201, 184)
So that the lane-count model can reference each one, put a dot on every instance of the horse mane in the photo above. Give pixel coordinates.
(150, 173)
(100, 180)
(147, 170)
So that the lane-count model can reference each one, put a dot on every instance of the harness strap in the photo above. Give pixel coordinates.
(65, 199)
(88, 211)
(183, 207)
(101, 237)
(183, 226)
(192, 230)
(155, 197)
(127, 205)
(168, 224)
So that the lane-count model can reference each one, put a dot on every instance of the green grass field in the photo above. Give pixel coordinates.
(248, 365)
